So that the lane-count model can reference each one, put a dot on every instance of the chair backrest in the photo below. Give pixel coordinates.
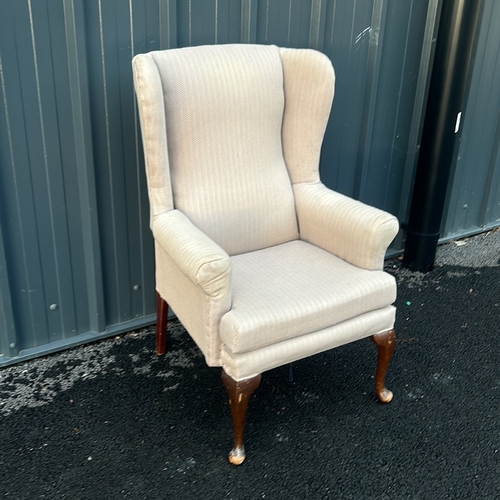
(226, 126)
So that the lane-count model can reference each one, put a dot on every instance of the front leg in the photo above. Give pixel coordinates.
(386, 343)
(238, 394)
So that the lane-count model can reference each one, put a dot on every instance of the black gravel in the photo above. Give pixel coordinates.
(114, 421)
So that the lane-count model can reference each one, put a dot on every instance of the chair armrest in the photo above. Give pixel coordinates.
(355, 232)
(204, 262)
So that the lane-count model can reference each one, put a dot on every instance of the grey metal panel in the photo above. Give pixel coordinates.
(120, 181)
(376, 48)
(382, 173)
(48, 216)
(474, 197)
(103, 50)
(8, 340)
(44, 129)
(317, 24)
(284, 22)
(74, 212)
(249, 9)
(22, 251)
(42, 216)
(90, 298)
(347, 43)
(168, 24)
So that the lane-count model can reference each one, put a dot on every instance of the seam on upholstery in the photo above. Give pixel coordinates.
(206, 324)
(140, 82)
(221, 259)
(236, 331)
(214, 277)
(309, 183)
(162, 213)
(280, 57)
(390, 221)
(283, 114)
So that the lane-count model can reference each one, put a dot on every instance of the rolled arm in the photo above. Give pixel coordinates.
(204, 262)
(355, 232)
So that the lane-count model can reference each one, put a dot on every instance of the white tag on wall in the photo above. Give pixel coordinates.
(457, 124)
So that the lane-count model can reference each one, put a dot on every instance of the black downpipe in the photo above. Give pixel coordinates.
(456, 35)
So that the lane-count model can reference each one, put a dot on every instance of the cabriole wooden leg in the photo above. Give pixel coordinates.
(386, 343)
(161, 325)
(238, 394)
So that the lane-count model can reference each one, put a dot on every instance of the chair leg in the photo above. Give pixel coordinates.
(238, 394)
(386, 343)
(161, 325)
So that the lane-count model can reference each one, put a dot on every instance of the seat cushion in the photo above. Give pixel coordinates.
(296, 288)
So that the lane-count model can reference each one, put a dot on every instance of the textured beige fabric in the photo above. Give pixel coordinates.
(345, 227)
(196, 255)
(309, 84)
(297, 288)
(194, 275)
(198, 312)
(249, 364)
(232, 137)
(148, 88)
(224, 111)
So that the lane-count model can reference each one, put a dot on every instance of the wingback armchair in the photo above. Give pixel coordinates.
(261, 263)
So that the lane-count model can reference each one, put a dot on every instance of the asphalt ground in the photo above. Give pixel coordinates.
(111, 420)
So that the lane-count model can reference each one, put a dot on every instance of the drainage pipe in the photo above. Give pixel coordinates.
(450, 72)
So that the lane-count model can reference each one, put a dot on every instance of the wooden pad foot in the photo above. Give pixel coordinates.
(386, 343)
(238, 395)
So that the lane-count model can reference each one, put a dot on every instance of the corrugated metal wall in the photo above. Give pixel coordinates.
(473, 203)
(76, 254)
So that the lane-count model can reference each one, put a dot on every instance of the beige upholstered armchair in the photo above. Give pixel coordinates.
(261, 263)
